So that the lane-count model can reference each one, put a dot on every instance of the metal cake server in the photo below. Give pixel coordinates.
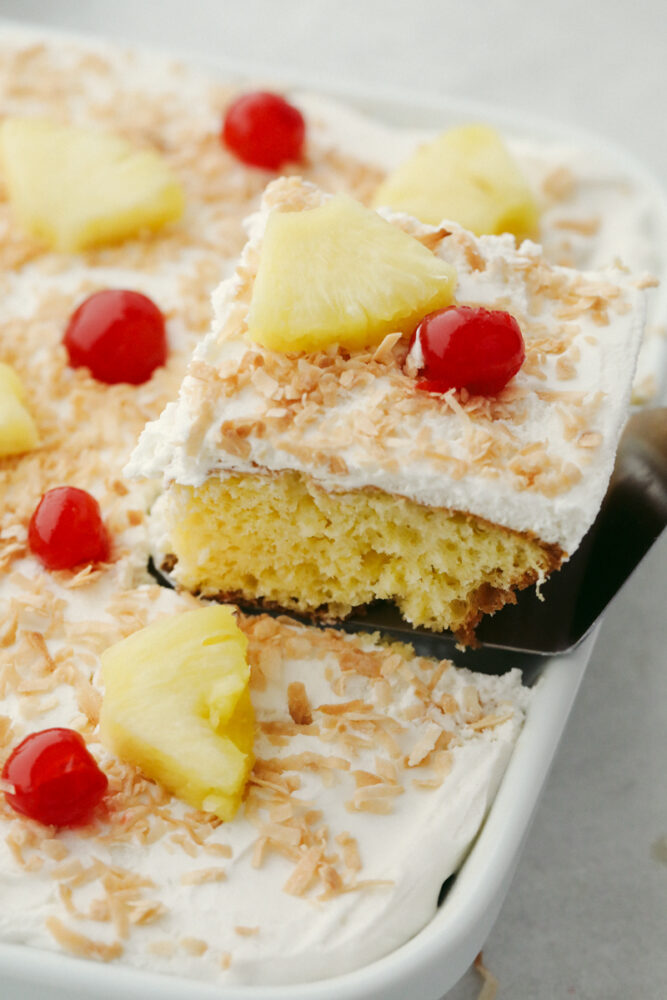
(631, 518)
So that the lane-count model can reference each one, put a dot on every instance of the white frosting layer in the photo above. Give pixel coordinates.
(269, 934)
(605, 356)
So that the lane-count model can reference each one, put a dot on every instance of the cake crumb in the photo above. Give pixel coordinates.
(490, 988)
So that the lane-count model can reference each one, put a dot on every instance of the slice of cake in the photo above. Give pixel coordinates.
(320, 480)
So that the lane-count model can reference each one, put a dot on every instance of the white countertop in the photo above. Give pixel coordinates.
(586, 914)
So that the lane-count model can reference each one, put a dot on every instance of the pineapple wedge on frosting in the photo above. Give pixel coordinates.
(18, 433)
(177, 706)
(466, 175)
(339, 273)
(76, 188)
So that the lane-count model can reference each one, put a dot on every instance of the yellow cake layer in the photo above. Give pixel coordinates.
(282, 538)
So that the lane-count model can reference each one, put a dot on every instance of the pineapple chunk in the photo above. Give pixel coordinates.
(17, 428)
(76, 188)
(341, 274)
(177, 706)
(467, 176)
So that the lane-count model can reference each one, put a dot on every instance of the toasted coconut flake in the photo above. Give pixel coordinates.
(54, 849)
(345, 708)
(304, 873)
(560, 184)
(308, 761)
(424, 745)
(79, 944)
(194, 946)
(442, 762)
(489, 721)
(585, 227)
(350, 849)
(164, 948)
(223, 850)
(298, 704)
(331, 880)
(386, 769)
(142, 912)
(589, 439)
(258, 852)
(374, 798)
(364, 778)
(183, 841)
(118, 912)
(281, 812)
(565, 368)
(384, 352)
(471, 704)
(89, 700)
(202, 875)
(448, 703)
(281, 834)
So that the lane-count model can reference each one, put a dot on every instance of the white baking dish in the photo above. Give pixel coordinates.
(432, 961)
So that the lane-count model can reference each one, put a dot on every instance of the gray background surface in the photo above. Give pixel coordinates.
(586, 916)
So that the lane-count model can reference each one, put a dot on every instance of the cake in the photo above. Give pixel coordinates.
(346, 744)
(374, 771)
(318, 481)
(374, 767)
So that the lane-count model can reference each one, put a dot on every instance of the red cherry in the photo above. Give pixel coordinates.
(467, 347)
(119, 335)
(66, 529)
(264, 130)
(56, 780)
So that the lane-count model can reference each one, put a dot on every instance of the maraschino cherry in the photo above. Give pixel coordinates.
(467, 347)
(118, 334)
(66, 529)
(55, 779)
(264, 130)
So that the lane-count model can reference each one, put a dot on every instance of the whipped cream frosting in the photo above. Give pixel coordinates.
(557, 427)
(221, 903)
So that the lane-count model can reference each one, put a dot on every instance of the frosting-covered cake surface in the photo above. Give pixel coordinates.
(313, 872)
(536, 457)
(375, 768)
(374, 772)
